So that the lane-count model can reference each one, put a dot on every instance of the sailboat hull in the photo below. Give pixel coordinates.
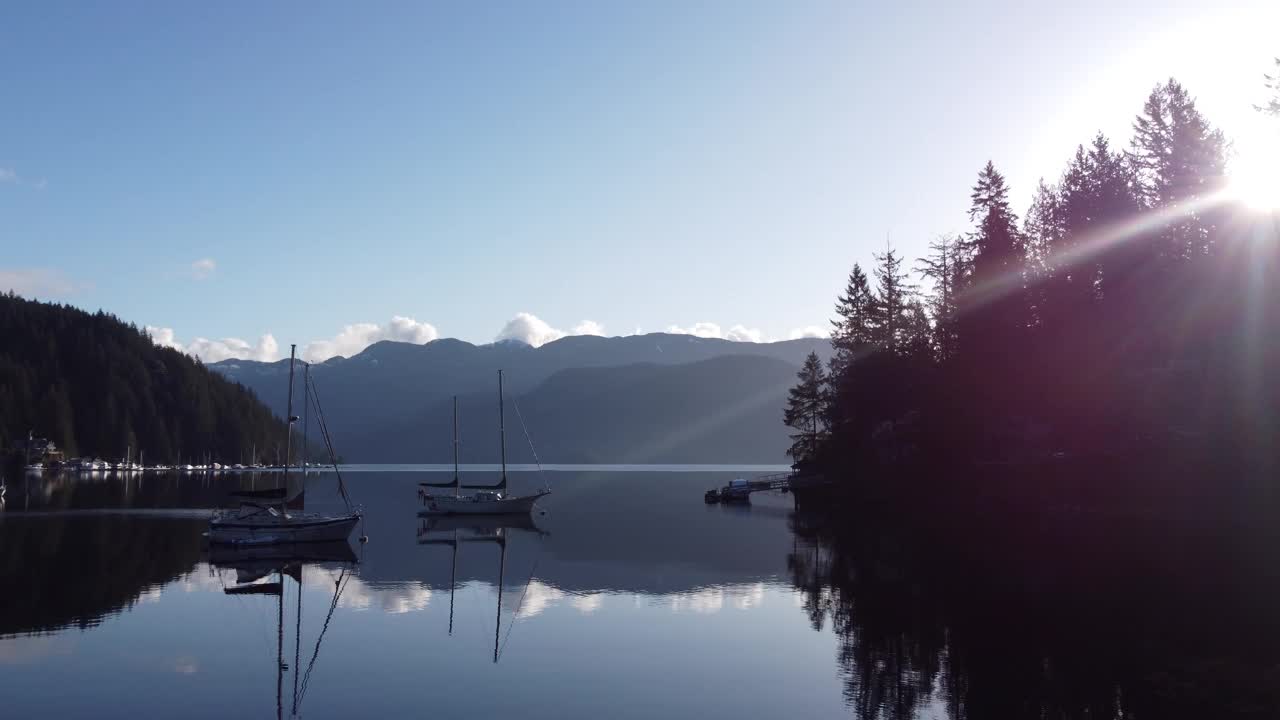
(466, 505)
(295, 529)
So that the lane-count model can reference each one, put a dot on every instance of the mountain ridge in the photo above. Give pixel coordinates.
(371, 397)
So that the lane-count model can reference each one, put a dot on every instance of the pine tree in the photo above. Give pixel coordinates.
(1179, 159)
(806, 412)
(995, 245)
(943, 267)
(852, 330)
(894, 293)
(992, 310)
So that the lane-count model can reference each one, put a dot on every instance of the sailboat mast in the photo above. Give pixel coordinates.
(306, 415)
(502, 431)
(288, 438)
(457, 482)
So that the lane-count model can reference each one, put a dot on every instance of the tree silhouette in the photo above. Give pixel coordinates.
(806, 411)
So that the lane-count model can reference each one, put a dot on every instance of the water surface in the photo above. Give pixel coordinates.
(626, 597)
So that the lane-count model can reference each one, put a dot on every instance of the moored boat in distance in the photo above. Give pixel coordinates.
(488, 499)
(483, 502)
(263, 518)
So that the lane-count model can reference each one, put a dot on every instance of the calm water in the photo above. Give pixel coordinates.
(628, 597)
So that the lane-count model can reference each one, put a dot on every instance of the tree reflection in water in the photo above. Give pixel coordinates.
(989, 628)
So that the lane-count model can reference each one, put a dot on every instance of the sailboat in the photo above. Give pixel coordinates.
(263, 519)
(488, 499)
(253, 565)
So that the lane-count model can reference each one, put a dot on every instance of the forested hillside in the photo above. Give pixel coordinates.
(1132, 314)
(97, 387)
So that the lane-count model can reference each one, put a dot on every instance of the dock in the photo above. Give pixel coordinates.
(740, 490)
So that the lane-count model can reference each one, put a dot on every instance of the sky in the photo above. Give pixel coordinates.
(241, 176)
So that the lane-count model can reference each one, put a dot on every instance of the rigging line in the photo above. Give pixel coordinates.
(328, 443)
(532, 449)
(339, 586)
(520, 602)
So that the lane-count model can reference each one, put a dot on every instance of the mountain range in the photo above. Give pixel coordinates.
(638, 399)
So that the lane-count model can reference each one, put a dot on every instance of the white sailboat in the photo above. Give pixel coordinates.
(259, 521)
(488, 499)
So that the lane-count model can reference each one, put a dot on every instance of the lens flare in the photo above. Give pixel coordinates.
(1255, 173)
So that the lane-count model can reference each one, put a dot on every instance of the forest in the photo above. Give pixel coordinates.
(1113, 347)
(96, 386)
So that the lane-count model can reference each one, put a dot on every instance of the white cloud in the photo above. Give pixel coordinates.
(7, 175)
(38, 282)
(533, 330)
(354, 338)
(529, 329)
(203, 268)
(265, 350)
(588, 327)
(737, 333)
(809, 331)
(702, 330)
(164, 337)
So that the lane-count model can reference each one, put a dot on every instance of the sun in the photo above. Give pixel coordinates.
(1254, 175)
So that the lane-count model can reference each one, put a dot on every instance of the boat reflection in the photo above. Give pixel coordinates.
(452, 530)
(254, 567)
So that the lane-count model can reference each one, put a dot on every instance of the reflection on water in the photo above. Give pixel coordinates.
(626, 597)
(625, 582)
(974, 628)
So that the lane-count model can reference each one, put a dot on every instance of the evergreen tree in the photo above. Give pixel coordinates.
(992, 316)
(943, 267)
(995, 245)
(806, 412)
(96, 387)
(1180, 159)
(894, 293)
(853, 328)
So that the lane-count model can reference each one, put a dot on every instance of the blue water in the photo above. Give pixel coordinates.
(627, 598)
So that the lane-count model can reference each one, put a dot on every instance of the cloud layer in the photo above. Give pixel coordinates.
(210, 351)
(349, 341)
(737, 333)
(354, 338)
(533, 330)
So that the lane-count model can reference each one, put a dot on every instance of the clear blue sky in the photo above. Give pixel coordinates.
(638, 164)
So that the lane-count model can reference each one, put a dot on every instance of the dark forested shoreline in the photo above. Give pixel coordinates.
(96, 386)
(1112, 352)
